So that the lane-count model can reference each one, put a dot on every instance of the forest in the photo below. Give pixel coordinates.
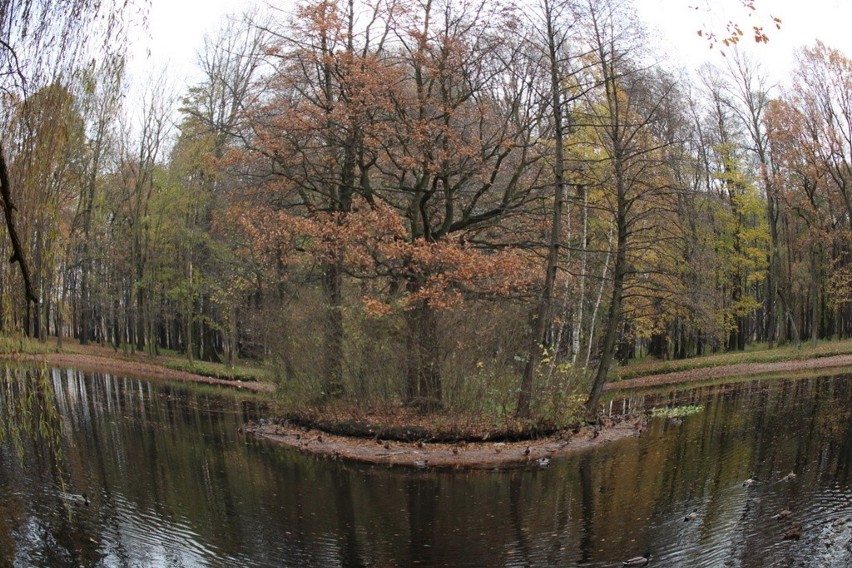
(481, 205)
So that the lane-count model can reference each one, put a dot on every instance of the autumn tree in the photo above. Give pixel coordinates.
(431, 134)
(99, 101)
(455, 160)
(557, 68)
(46, 164)
(624, 115)
(750, 98)
(809, 136)
(213, 125)
(139, 156)
(39, 41)
(311, 130)
(741, 234)
(689, 321)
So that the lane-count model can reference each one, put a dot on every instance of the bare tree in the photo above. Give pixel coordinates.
(555, 61)
(623, 113)
(140, 153)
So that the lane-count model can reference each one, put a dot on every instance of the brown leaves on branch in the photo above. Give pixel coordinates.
(734, 29)
(371, 244)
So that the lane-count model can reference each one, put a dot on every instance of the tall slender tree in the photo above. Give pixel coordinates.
(558, 23)
(624, 117)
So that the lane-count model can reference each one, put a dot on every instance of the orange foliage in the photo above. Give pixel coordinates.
(371, 243)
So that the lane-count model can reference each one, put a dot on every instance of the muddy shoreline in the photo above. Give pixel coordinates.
(462, 455)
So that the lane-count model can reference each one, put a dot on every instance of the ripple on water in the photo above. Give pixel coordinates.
(139, 536)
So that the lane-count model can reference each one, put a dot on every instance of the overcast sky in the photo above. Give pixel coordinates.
(803, 22)
(177, 28)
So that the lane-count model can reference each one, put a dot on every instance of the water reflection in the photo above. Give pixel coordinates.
(172, 482)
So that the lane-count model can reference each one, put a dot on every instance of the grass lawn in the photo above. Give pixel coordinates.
(756, 354)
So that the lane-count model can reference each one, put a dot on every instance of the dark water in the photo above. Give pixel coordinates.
(172, 482)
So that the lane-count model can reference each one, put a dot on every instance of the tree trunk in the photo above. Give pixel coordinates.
(60, 320)
(12, 231)
(85, 303)
(188, 319)
(542, 316)
(232, 335)
(594, 317)
(815, 301)
(333, 332)
(581, 300)
(773, 274)
(613, 317)
(424, 386)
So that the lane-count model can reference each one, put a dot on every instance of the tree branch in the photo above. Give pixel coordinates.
(8, 207)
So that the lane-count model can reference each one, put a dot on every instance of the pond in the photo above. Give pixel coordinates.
(169, 480)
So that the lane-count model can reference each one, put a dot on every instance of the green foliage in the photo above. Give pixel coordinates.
(28, 410)
(742, 230)
(219, 371)
(676, 411)
(19, 344)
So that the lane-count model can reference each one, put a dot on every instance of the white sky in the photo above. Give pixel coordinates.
(177, 28)
(176, 34)
(803, 22)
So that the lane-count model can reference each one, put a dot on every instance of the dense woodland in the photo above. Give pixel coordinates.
(467, 205)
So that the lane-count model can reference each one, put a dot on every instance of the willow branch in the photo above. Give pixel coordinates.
(17, 250)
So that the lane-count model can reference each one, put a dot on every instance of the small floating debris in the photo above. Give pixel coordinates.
(793, 533)
(692, 516)
(638, 560)
(749, 482)
(422, 464)
(782, 515)
(542, 462)
(75, 499)
(789, 477)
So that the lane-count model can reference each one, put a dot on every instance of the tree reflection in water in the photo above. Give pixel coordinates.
(173, 482)
(28, 414)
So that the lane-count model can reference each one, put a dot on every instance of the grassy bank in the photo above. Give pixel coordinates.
(240, 372)
(11, 346)
(759, 353)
